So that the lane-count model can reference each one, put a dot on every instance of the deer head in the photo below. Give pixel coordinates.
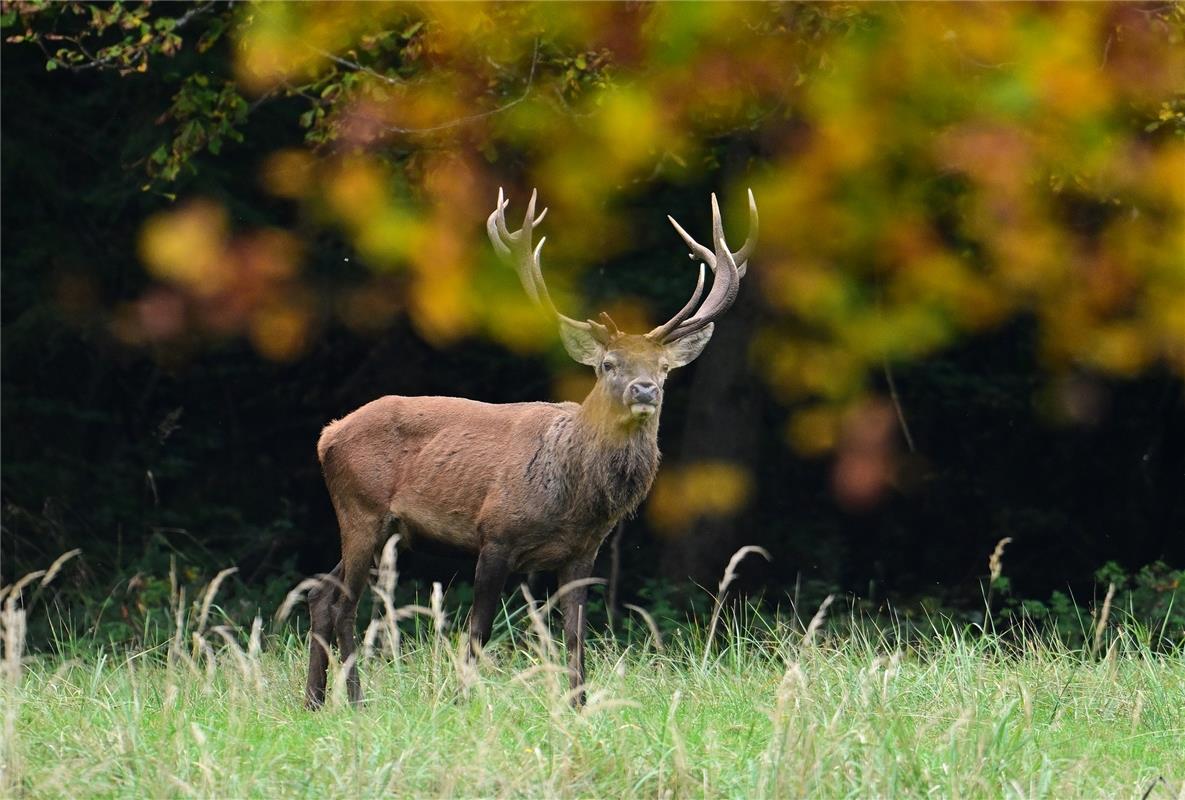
(631, 368)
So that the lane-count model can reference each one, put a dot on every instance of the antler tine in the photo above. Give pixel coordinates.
(609, 324)
(659, 334)
(515, 247)
(717, 228)
(529, 217)
(496, 227)
(742, 256)
(697, 250)
(725, 286)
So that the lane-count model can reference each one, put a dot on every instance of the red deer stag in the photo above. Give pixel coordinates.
(524, 486)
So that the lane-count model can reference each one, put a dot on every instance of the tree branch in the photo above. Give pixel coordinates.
(897, 405)
(474, 117)
(141, 50)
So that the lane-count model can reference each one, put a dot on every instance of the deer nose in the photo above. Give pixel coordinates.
(644, 392)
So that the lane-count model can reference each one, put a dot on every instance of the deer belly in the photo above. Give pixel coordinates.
(450, 528)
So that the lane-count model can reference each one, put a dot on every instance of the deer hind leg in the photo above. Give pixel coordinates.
(358, 549)
(320, 634)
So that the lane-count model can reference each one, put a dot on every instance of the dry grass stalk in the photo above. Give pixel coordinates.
(995, 568)
(1026, 702)
(201, 647)
(787, 699)
(546, 645)
(996, 559)
(730, 575)
(12, 625)
(384, 590)
(255, 640)
(338, 697)
(204, 761)
(567, 587)
(649, 620)
(176, 651)
(411, 609)
(524, 676)
(679, 750)
(240, 656)
(14, 591)
(817, 621)
(297, 593)
(1104, 615)
(12, 637)
(465, 667)
(388, 572)
(1111, 659)
(436, 603)
(208, 599)
(599, 701)
(371, 635)
(13, 619)
(1136, 711)
(56, 566)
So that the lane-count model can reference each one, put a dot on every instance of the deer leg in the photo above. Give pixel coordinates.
(321, 631)
(357, 557)
(492, 569)
(573, 604)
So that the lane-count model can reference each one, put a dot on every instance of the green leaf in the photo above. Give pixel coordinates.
(51, 65)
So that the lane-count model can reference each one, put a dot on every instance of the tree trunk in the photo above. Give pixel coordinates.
(723, 424)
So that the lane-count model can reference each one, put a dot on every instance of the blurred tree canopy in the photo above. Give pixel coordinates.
(226, 224)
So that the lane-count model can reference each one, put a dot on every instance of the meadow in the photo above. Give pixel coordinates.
(764, 706)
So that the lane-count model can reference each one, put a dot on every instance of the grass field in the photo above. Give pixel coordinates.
(772, 709)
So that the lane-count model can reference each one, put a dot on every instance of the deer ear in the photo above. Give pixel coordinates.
(581, 345)
(684, 351)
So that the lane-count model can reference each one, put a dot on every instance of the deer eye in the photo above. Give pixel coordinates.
(664, 367)
(608, 366)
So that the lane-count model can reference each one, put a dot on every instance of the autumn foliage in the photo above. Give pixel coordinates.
(926, 173)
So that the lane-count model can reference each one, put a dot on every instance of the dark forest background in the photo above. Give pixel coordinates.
(192, 449)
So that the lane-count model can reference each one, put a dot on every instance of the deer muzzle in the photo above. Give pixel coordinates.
(643, 397)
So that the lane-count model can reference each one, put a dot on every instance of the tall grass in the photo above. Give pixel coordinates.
(748, 706)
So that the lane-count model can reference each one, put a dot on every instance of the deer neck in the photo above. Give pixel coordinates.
(611, 459)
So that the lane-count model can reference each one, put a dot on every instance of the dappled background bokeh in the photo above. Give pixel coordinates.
(224, 226)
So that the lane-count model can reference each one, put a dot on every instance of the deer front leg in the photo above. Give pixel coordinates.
(575, 624)
(492, 568)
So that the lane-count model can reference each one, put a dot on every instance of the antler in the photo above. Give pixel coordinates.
(515, 248)
(729, 268)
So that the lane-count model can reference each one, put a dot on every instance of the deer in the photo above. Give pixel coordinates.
(534, 486)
